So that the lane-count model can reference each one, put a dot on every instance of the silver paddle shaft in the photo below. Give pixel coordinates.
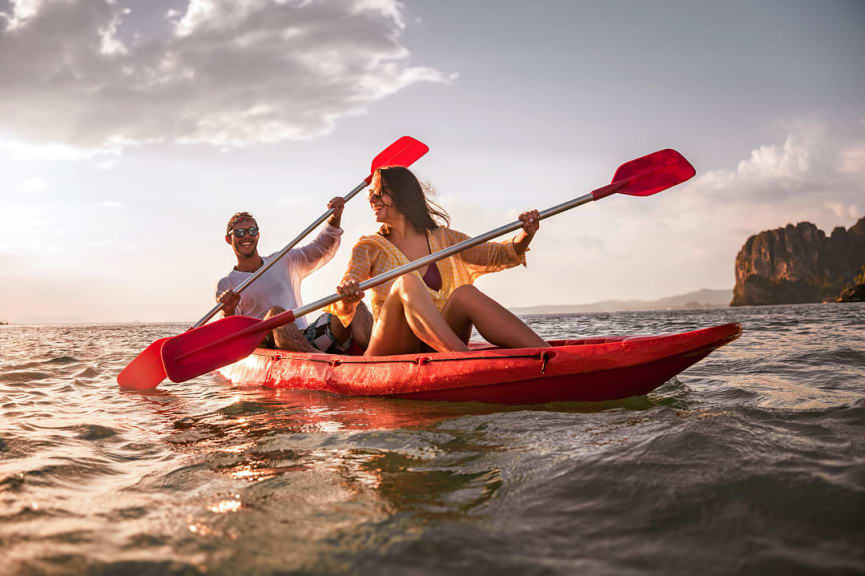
(435, 256)
(282, 253)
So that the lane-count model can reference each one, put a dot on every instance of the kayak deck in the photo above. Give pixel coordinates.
(592, 369)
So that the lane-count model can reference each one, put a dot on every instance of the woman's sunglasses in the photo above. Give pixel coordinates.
(379, 199)
(241, 232)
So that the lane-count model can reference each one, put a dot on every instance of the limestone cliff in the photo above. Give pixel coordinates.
(798, 264)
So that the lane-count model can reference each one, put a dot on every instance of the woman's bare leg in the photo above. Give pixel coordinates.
(360, 328)
(391, 333)
(361, 325)
(469, 306)
(408, 316)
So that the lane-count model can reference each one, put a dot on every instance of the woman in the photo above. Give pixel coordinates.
(434, 307)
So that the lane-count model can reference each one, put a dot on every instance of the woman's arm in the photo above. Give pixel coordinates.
(359, 268)
(495, 256)
(531, 223)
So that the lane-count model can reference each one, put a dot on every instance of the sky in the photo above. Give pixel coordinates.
(130, 131)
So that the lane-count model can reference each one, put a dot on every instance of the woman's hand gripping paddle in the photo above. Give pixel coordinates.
(226, 341)
(146, 370)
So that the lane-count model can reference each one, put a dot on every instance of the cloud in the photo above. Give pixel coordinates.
(842, 210)
(813, 162)
(782, 164)
(223, 72)
(853, 160)
(771, 171)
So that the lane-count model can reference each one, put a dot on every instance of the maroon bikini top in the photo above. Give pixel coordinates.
(432, 277)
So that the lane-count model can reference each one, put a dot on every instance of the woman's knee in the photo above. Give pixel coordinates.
(274, 310)
(405, 284)
(466, 293)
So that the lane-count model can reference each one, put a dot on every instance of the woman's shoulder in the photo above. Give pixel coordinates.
(449, 234)
(370, 242)
(369, 239)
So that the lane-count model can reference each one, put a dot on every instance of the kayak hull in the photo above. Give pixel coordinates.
(595, 369)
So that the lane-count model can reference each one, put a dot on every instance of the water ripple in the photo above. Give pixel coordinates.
(751, 461)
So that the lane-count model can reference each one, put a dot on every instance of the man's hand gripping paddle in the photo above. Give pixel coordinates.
(226, 341)
(146, 370)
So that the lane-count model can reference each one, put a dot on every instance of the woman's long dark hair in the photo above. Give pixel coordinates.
(411, 198)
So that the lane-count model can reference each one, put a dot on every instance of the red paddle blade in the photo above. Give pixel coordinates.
(202, 350)
(403, 152)
(653, 173)
(146, 371)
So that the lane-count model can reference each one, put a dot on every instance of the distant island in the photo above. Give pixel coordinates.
(800, 264)
(704, 298)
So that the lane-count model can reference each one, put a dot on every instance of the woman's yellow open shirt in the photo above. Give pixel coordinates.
(375, 254)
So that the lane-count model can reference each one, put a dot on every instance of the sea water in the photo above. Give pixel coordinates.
(752, 462)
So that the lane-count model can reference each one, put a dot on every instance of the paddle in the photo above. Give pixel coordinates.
(226, 341)
(146, 370)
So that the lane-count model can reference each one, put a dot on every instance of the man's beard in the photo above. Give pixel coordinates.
(246, 252)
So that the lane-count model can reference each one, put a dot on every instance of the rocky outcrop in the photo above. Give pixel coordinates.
(798, 264)
(856, 292)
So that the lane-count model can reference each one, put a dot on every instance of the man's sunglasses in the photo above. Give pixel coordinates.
(241, 232)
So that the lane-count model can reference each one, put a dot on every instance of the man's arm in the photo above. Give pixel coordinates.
(229, 299)
(337, 204)
(317, 253)
(225, 295)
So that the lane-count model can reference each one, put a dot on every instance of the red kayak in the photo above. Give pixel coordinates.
(592, 369)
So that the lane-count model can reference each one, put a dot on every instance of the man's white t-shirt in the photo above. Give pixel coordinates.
(280, 285)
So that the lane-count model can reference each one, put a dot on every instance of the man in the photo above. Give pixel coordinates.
(278, 289)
